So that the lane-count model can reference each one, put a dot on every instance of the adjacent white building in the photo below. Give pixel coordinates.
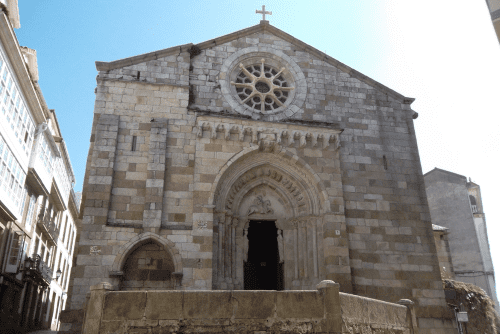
(38, 207)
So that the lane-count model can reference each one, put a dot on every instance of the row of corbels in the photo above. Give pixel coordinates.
(290, 135)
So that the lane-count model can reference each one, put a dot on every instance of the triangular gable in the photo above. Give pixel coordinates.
(439, 170)
(264, 26)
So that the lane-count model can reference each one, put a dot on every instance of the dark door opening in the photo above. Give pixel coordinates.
(263, 270)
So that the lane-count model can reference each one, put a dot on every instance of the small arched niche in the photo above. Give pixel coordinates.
(148, 267)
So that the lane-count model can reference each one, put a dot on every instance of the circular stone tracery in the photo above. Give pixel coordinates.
(262, 88)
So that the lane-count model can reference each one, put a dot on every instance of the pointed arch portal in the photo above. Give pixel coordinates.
(268, 219)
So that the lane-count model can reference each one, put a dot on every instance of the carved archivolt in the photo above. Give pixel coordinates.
(265, 136)
(294, 181)
(284, 182)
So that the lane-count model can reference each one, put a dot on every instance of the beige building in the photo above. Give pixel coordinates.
(494, 8)
(254, 162)
(456, 205)
(38, 208)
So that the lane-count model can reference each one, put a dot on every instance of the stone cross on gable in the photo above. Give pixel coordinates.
(263, 12)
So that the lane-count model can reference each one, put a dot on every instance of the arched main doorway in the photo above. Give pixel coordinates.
(268, 224)
(263, 264)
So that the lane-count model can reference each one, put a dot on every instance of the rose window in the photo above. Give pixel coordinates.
(262, 87)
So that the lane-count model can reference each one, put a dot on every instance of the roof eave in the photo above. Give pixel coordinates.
(108, 66)
(444, 171)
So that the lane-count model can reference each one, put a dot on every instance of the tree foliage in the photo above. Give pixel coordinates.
(483, 319)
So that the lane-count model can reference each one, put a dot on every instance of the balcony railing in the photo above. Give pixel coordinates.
(48, 226)
(38, 266)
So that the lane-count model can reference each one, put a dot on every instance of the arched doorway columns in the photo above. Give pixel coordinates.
(274, 188)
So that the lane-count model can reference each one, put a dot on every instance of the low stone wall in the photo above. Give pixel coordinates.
(322, 311)
(367, 315)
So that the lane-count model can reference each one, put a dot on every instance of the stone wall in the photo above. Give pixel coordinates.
(324, 310)
(389, 236)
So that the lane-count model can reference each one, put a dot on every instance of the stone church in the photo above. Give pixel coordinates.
(254, 161)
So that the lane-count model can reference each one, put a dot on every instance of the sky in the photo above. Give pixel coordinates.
(442, 53)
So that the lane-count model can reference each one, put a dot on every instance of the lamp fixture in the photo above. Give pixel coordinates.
(58, 273)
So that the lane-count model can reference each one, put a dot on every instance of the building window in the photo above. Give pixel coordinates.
(73, 237)
(65, 226)
(46, 154)
(262, 87)
(14, 110)
(29, 214)
(11, 176)
(70, 232)
(134, 143)
(473, 203)
(15, 251)
(67, 277)
(58, 267)
(57, 308)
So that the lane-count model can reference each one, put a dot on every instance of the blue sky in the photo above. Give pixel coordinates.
(443, 53)
(70, 36)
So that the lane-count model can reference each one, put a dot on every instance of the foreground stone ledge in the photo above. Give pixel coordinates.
(324, 310)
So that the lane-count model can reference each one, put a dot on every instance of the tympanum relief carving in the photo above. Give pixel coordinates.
(261, 202)
(261, 206)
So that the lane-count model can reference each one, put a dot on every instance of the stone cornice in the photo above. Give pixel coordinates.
(267, 133)
(98, 78)
(12, 48)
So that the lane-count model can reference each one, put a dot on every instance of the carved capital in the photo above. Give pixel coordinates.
(219, 217)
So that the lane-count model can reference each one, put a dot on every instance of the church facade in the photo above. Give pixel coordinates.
(254, 161)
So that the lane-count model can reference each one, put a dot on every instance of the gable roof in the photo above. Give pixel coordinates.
(435, 170)
(264, 26)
